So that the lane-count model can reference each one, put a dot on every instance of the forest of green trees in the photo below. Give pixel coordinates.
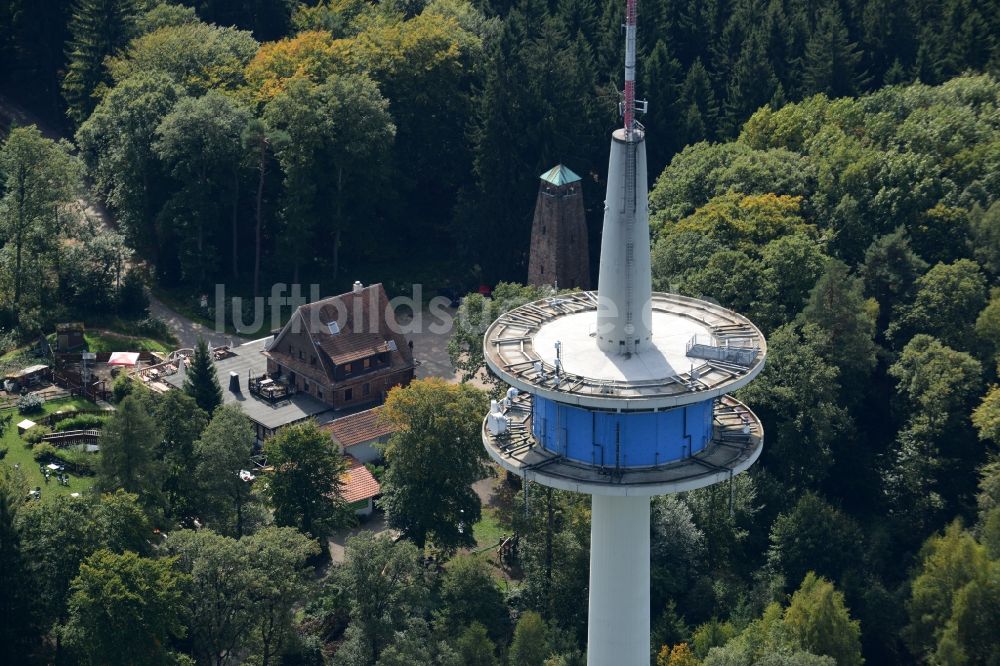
(231, 140)
(831, 170)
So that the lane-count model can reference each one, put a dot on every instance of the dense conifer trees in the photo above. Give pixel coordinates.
(98, 29)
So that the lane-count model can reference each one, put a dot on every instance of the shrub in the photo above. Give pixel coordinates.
(34, 435)
(77, 462)
(8, 341)
(62, 415)
(44, 452)
(122, 387)
(154, 328)
(29, 404)
(82, 422)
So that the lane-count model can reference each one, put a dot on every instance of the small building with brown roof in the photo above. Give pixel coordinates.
(359, 487)
(360, 434)
(346, 350)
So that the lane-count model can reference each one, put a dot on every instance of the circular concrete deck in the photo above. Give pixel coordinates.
(520, 347)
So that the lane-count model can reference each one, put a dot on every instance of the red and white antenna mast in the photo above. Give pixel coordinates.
(629, 106)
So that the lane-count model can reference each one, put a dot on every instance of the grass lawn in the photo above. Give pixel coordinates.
(109, 341)
(18, 453)
(111, 334)
(14, 354)
(488, 530)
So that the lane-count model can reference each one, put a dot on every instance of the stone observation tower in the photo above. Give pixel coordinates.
(622, 394)
(560, 253)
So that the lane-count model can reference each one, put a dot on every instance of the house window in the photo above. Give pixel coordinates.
(301, 355)
(366, 389)
(367, 363)
(291, 350)
(312, 360)
(348, 395)
(319, 393)
(347, 368)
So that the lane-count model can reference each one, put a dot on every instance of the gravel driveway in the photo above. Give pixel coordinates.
(187, 331)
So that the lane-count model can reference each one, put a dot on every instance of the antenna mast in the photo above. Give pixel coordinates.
(629, 106)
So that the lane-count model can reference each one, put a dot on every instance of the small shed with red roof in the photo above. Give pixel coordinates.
(359, 487)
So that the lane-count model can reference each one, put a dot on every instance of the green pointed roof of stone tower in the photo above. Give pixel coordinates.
(559, 175)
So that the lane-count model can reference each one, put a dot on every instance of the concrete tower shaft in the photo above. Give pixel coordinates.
(618, 621)
(624, 290)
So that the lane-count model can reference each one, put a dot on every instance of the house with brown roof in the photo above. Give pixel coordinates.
(345, 351)
(360, 434)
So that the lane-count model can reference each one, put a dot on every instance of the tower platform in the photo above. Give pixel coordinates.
(650, 423)
(735, 445)
(698, 351)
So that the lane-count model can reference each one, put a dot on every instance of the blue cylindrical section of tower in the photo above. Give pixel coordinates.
(621, 439)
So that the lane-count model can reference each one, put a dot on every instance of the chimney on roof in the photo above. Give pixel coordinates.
(358, 286)
(234, 382)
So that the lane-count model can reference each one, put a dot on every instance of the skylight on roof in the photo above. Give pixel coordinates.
(334, 328)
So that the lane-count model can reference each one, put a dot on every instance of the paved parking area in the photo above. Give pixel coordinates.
(338, 542)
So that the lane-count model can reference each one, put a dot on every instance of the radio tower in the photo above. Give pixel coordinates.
(622, 395)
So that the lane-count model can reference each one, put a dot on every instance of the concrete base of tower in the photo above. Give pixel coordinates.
(618, 623)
